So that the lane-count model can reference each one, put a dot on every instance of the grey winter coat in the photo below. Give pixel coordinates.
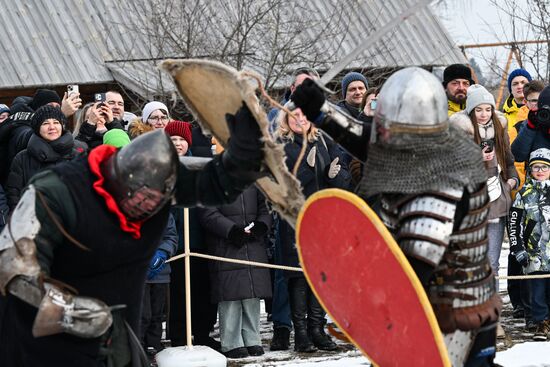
(500, 207)
(232, 282)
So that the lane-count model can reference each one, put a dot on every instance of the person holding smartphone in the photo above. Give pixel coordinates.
(94, 121)
(70, 104)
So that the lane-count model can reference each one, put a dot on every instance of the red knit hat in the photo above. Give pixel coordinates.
(180, 128)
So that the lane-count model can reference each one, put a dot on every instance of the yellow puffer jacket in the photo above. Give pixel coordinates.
(511, 110)
(454, 107)
(515, 116)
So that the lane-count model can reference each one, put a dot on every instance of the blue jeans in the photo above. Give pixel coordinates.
(280, 311)
(540, 295)
(495, 233)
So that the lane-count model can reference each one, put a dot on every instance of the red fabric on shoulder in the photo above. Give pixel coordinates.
(95, 158)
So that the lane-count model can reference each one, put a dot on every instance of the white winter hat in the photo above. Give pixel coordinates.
(541, 155)
(151, 107)
(476, 95)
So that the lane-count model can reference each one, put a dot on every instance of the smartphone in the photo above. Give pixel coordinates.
(99, 97)
(72, 88)
(487, 143)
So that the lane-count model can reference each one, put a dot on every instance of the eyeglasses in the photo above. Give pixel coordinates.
(158, 118)
(542, 168)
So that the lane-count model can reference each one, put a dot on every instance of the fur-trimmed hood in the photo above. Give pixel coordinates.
(137, 128)
(463, 121)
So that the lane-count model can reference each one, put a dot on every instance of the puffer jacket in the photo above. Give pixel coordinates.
(453, 107)
(529, 224)
(500, 207)
(233, 282)
(4, 208)
(511, 112)
(529, 140)
(39, 155)
(312, 179)
(315, 178)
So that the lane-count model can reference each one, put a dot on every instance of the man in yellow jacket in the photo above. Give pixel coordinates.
(456, 79)
(516, 110)
(516, 81)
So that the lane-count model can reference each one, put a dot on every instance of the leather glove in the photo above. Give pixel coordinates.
(244, 148)
(334, 168)
(309, 98)
(259, 230)
(237, 236)
(158, 262)
(532, 120)
(522, 258)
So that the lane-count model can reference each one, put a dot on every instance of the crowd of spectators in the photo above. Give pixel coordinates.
(44, 130)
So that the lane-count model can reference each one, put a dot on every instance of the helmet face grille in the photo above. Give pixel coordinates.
(143, 204)
(142, 175)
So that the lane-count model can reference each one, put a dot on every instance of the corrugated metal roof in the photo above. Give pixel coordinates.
(57, 42)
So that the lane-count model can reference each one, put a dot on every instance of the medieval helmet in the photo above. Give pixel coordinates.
(141, 176)
(412, 101)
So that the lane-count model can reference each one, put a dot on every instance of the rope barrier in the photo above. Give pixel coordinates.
(236, 261)
(517, 277)
(291, 268)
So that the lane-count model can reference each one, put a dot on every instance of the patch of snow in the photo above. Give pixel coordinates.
(532, 354)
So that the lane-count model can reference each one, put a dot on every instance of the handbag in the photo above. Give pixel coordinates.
(494, 186)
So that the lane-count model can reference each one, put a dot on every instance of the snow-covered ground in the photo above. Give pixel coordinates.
(516, 350)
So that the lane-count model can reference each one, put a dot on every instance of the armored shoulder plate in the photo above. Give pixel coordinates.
(422, 223)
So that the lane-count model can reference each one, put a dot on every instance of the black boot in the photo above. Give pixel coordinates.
(297, 293)
(302, 342)
(321, 340)
(316, 325)
(281, 339)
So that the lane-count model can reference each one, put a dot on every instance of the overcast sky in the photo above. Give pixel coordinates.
(472, 22)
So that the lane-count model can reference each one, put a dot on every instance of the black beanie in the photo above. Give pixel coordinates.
(44, 113)
(42, 97)
(457, 71)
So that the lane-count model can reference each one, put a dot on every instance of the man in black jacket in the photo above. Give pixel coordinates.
(94, 224)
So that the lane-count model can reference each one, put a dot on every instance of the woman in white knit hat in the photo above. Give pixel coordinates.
(488, 128)
(155, 114)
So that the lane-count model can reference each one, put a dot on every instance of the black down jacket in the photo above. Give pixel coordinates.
(38, 155)
(232, 282)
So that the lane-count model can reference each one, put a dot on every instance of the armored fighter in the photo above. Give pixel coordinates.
(74, 256)
(429, 180)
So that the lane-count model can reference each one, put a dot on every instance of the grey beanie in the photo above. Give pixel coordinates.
(476, 95)
(352, 77)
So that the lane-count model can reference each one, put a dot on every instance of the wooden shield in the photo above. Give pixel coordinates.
(365, 282)
(211, 90)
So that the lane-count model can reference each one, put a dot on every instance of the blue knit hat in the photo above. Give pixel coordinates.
(517, 72)
(4, 108)
(352, 77)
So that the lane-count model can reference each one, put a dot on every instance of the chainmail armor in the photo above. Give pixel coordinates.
(420, 163)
